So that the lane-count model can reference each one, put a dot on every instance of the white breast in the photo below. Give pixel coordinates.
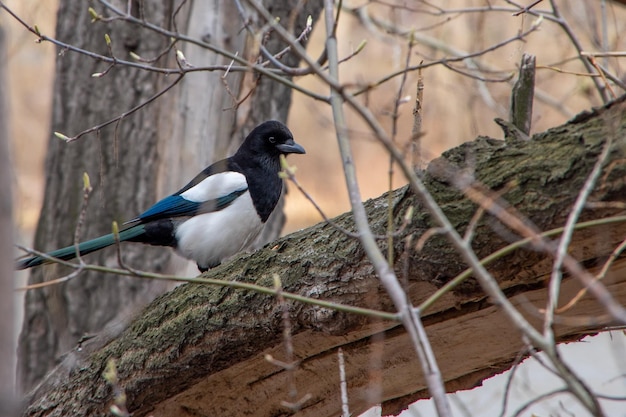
(211, 237)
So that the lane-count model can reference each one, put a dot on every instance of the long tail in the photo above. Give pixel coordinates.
(84, 247)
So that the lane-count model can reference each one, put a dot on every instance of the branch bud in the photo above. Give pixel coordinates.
(110, 372)
(86, 182)
(404, 99)
(182, 60)
(117, 411)
(61, 136)
(537, 22)
(94, 15)
(287, 170)
(361, 46)
(277, 284)
(283, 162)
(409, 214)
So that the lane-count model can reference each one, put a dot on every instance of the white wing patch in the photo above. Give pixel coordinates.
(216, 186)
(211, 237)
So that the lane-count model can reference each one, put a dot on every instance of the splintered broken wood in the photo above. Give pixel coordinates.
(200, 350)
(383, 362)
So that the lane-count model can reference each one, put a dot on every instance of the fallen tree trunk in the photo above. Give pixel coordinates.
(200, 350)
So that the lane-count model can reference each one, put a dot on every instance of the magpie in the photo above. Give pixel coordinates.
(217, 214)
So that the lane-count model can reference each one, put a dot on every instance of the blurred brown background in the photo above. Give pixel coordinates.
(456, 108)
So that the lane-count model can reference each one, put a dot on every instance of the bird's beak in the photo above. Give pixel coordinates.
(290, 147)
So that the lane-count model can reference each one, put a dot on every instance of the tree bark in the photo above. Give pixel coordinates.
(148, 155)
(200, 350)
(8, 403)
(122, 166)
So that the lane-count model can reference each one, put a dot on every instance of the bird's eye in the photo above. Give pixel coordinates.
(272, 139)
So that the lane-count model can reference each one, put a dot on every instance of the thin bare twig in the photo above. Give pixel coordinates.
(395, 115)
(415, 151)
(457, 55)
(480, 211)
(119, 118)
(294, 403)
(568, 231)
(211, 281)
(519, 412)
(245, 65)
(605, 269)
(345, 407)
(87, 189)
(475, 66)
(78, 269)
(118, 249)
(509, 379)
(512, 218)
(509, 249)
(527, 8)
(602, 74)
(288, 172)
(560, 20)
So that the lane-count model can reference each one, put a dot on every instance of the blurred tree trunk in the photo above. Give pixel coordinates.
(7, 294)
(148, 155)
